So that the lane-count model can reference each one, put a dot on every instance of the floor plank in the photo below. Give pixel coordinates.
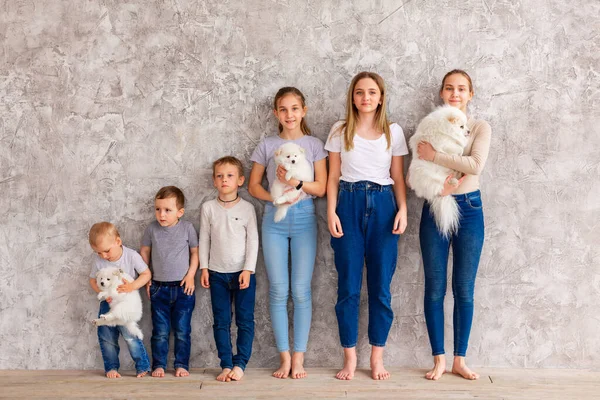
(321, 384)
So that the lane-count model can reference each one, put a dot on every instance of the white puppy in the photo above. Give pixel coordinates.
(125, 308)
(292, 158)
(446, 129)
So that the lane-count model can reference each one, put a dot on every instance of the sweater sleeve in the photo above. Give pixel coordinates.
(251, 241)
(473, 163)
(204, 237)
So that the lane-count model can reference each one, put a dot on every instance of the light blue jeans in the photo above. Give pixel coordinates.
(108, 336)
(296, 233)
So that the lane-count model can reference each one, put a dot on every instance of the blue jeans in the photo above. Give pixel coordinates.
(171, 308)
(108, 336)
(367, 212)
(466, 243)
(224, 291)
(297, 233)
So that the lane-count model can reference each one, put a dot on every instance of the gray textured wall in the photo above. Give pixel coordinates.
(103, 102)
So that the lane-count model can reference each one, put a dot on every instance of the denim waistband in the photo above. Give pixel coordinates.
(466, 196)
(170, 283)
(307, 202)
(364, 185)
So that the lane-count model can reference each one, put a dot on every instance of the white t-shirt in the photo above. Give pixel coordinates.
(369, 160)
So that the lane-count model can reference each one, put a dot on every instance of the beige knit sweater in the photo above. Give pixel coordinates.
(474, 156)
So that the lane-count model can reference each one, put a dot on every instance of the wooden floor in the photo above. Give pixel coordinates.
(321, 384)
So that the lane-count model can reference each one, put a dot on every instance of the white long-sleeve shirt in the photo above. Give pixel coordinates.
(228, 237)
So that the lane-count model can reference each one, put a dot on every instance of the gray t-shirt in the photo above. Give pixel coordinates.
(130, 262)
(170, 246)
(263, 154)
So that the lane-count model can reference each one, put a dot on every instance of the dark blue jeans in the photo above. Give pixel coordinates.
(466, 244)
(366, 211)
(171, 309)
(225, 291)
(108, 337)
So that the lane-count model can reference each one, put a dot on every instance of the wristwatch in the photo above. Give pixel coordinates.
(299, 186)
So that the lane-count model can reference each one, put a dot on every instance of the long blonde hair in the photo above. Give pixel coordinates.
(382, 123)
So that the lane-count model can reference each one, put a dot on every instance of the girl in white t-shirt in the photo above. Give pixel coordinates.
(366, 213)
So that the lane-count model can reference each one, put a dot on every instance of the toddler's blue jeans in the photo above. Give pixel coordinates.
(108, 336)
(171, 309)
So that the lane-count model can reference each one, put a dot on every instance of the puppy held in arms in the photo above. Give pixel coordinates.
(291, 157)
(125, 308)
(446, 130)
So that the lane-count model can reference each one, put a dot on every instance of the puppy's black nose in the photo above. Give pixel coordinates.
(102, 283)
(293, 161)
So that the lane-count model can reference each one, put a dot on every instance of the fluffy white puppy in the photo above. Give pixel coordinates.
(446, 129)
(292, 158)
(125, 308)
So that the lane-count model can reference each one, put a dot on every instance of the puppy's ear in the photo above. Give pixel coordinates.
(277, 152)
(302, 150)
(452, 119)
(117, 272)
(97, 274)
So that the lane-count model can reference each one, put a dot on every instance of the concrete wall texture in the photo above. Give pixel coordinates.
(103, 102)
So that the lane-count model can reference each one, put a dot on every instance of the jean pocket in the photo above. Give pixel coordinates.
(391, 192)
(475, 202)
(153, 290)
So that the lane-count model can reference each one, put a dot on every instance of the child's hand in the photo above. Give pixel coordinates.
(109, 300)
(335, 225)
(126, 287)
(400, 222)
(245, 279)
(425, 151)
(449, 188)
(148, 288)
(204, 278)
(188, 284)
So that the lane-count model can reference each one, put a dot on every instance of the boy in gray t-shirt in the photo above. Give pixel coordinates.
(170, 247)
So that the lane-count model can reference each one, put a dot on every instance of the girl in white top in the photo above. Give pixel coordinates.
(366, 213)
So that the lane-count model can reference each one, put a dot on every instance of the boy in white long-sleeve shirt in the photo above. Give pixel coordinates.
(228, 250)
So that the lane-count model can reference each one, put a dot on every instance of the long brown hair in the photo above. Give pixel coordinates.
(382, 123)
(291, 90)
(461, 72)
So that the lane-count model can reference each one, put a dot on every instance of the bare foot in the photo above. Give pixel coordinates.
(113, 374)
(236, 374)
(224, 375)
(158, 373)
(347, 372)
(141, 374)
(285, 366)
(439, 368)
(298, 371)
(459, 367)
(378, 371)
(181, 372)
